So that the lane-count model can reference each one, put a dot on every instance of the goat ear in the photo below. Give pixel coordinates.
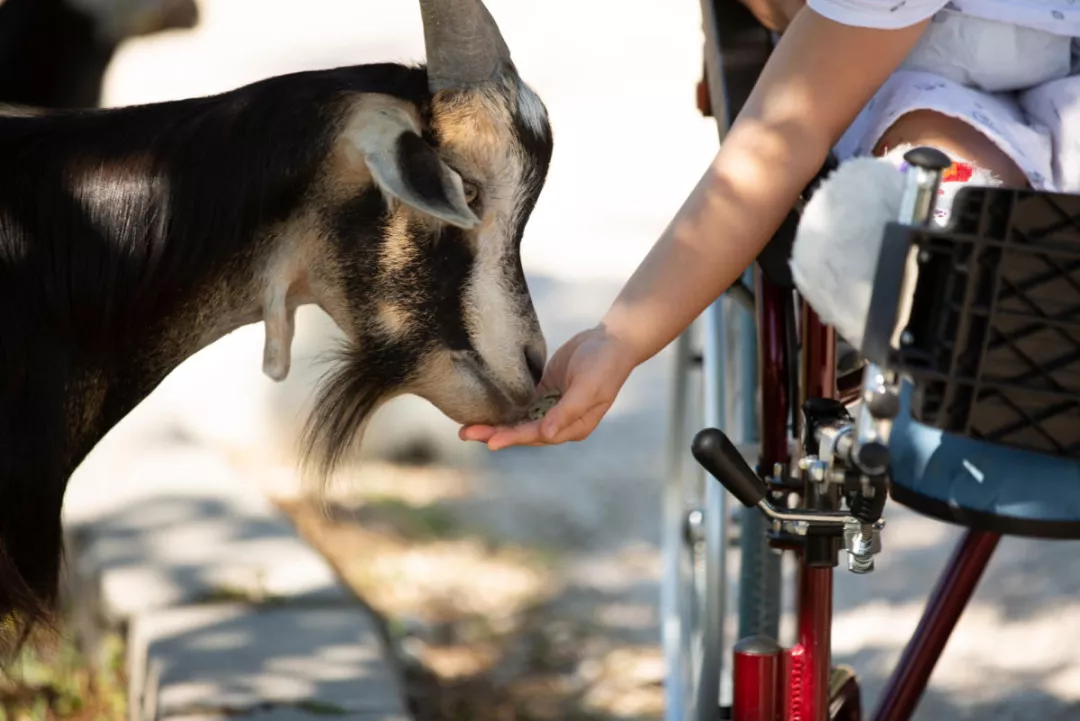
(408, 169)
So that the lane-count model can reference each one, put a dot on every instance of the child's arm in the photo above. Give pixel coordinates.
(817, 79)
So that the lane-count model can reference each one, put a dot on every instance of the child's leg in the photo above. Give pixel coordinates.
(834, 258)
(957, 139)
(977, 159)
(1055, 106)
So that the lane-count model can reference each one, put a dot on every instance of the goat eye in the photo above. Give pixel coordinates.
(472, 193)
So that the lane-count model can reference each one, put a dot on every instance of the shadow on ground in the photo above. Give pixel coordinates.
(592, 510)
(226, 660)
(1011, 655)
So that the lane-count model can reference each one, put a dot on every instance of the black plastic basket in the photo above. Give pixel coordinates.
(993, 340)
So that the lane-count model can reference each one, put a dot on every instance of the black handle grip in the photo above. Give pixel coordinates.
(720, 457)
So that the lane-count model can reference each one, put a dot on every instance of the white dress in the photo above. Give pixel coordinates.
(1009, 68)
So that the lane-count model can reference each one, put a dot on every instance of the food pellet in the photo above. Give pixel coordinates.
(544, 404)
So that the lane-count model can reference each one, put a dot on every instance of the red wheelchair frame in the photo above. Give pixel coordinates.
(799, 683)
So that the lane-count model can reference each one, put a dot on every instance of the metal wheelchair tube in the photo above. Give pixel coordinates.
(920, 189)
(879, 401)
(711, 661)
(678, 578)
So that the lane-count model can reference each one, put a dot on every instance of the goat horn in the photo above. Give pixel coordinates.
(464, 45)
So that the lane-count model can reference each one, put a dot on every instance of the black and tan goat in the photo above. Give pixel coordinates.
(393, 197)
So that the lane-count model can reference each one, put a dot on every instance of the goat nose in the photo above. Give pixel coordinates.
(534, 361)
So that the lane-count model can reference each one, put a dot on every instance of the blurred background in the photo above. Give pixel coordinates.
(527, 580)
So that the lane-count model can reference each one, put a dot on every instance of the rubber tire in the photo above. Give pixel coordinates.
(759, 578)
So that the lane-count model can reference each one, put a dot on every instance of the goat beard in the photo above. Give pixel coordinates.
(358, 382)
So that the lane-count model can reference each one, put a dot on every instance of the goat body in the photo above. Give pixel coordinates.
(131, 238)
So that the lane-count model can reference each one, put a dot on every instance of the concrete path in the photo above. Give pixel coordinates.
(226, 610)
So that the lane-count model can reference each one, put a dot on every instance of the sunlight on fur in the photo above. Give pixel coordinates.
(836, 248)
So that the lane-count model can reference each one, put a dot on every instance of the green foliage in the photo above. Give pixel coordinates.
(54, 681)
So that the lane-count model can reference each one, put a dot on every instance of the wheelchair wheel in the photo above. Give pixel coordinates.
(715, 387)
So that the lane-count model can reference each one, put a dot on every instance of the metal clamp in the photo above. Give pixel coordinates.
(719, 456)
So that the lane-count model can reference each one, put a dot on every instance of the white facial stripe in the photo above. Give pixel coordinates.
(480, 130)
(492, 316)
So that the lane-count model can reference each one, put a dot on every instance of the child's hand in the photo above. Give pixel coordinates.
(589, 370)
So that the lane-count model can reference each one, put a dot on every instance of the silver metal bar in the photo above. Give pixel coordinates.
(920, 192)
(830, 518)
(867, 428)
(714, 351)
(917, 203)
(742, 294)
(677, 587)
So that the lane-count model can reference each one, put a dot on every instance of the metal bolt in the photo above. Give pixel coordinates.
(799, 528)
(906, 338)
(695, 526)
(860, 564)
(924, 256)
(862, 543)
(861, 546)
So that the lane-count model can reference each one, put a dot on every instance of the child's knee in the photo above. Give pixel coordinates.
(957, 139)
(838, 241)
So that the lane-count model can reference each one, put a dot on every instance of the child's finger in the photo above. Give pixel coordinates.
(476, 433)
(526, 434)
(580, 428)
(574, 403)
(548, 382)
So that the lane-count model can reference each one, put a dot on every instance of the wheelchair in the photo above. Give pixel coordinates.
(967, 412)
